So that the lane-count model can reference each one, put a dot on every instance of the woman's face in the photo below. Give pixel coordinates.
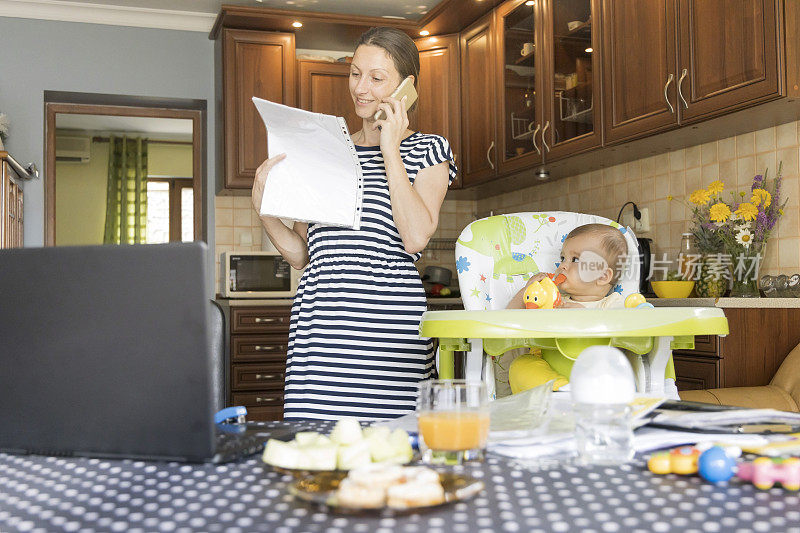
(373, 77)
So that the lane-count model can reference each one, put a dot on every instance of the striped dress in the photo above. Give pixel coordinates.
(354, 344)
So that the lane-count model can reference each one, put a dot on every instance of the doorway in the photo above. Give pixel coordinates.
(79, 132)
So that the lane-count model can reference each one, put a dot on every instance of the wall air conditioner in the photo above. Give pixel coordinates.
(71, 148)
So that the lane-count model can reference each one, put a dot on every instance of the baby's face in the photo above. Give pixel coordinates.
(586, 270)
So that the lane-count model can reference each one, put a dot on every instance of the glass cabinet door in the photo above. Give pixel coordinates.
(572, 60)
(521, 116)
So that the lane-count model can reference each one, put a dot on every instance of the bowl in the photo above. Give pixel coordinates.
(672, 289)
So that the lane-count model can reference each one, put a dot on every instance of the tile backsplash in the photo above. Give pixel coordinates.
(648, 181)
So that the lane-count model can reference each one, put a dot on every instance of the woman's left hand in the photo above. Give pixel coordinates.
(394, 126)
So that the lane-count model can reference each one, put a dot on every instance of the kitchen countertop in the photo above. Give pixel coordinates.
(726, 302)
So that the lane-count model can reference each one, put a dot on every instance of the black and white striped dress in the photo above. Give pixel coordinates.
(354, 344)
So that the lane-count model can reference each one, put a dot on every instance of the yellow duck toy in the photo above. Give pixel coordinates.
(544, 294)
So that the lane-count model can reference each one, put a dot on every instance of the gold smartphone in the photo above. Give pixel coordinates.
(406, 88)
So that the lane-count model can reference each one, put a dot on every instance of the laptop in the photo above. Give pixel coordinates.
(105, 351)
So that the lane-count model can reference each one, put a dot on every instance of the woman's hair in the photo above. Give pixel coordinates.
(400, 48)
(613, 244)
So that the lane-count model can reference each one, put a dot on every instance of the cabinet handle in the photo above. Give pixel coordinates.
(488, 158)
(680, 93)
(264, 377)
(538, 127)
(260, 348)
(669, 80)
(259, 320)
(544, 140)
(259, 399)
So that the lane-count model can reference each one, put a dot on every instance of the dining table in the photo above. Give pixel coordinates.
(43, 493)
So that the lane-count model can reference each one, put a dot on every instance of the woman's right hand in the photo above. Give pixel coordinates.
(261, 179)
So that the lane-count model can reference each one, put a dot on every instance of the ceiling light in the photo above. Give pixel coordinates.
(297, 24)
(424, 33)
(530, 3)
(589, 50)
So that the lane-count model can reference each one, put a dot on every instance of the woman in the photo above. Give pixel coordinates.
(354, 345)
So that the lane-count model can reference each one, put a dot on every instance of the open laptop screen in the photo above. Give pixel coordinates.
(105, 351)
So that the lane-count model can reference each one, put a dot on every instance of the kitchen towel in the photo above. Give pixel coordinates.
(320, 179)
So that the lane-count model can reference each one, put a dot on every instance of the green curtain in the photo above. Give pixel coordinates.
(126, 198)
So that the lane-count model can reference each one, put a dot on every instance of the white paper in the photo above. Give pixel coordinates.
(320, 179)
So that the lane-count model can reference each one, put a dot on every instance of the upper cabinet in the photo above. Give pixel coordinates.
(728, 55)
(325, 88)
(254, 63)
(669, 62)
(639, 66)
(439, 104)
(572, 79)
(478, 111)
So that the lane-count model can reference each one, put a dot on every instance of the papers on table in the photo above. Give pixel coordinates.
(320, 179)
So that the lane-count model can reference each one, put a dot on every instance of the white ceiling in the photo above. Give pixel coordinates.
(407, 9)
(163, 128)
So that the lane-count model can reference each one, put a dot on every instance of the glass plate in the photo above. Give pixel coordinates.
(321, 488)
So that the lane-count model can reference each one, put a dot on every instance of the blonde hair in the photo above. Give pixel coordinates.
(612, 243)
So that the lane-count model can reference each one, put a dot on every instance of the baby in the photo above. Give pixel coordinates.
(591, 258)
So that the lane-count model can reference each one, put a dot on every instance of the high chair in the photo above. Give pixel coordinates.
(495, 257)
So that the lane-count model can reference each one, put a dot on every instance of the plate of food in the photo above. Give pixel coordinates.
(382, 487)
(347, 447)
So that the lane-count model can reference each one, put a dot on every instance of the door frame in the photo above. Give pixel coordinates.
(127, 106)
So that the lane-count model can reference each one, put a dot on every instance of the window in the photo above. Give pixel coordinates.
(170, 210)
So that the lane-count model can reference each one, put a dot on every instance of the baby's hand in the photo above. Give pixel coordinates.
(536, 277)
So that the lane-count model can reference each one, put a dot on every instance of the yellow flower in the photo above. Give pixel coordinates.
(719, 212)
(699, 197)
(670, 197)
(780, 212)
(715, 187)
(760, 195)
(747, 211)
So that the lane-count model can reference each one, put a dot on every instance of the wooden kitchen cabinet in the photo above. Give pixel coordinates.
(728, 55)
(323, 87)
(254, 63)
(749, 356)
(478, 110)
(11, 196)
(259, 340)
(438, 108)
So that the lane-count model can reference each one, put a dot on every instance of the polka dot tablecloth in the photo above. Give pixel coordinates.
(75, 494)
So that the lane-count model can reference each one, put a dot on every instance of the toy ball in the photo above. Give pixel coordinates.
(646, 305)
(715, 465)
(634, 300)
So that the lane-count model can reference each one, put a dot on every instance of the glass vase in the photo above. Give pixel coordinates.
(714, 276)
(746, 263)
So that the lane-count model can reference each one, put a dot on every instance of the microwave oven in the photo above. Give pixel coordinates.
(257, 275)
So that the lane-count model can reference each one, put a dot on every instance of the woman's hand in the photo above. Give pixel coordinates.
(394, 126)
(261, 179)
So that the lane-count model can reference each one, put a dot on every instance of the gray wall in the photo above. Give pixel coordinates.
(39, 55)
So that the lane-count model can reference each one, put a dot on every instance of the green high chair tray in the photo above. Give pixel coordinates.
(648, 336)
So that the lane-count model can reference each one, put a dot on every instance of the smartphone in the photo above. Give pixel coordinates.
(406, 88)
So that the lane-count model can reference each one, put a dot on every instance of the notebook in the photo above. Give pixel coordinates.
(106, 353)
(320, 180)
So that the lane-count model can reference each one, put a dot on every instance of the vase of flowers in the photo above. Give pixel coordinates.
(731, 234)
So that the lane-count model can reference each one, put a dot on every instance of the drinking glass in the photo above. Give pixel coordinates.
(453, 420)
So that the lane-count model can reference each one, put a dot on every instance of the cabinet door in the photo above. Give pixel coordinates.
(696, 373)
(572, 80)
(639, 65)
(254, 64)
(519, 60)
(439, 104)
(728, 55)
(478, 103)
(324, 88)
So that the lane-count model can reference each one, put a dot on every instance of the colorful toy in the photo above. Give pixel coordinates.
(543, 294)
(716, 465)
(765, 472)
(638, 301)
(681, 460)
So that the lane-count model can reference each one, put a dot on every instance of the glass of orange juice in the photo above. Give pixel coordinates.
(453, 416)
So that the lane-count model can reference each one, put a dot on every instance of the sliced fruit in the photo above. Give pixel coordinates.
(346, 431)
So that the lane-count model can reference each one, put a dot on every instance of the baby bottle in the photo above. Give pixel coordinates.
(602, 385)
